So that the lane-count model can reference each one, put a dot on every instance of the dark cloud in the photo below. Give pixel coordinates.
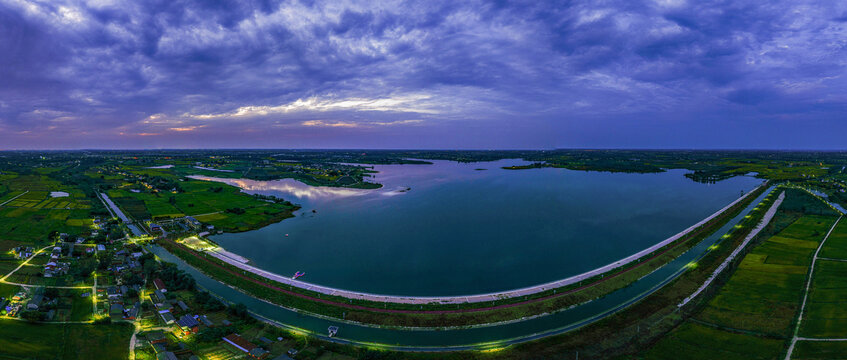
(508, 74)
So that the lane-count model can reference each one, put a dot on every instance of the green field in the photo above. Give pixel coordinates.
(29, 224)
(208, 201)
(826, 309)
(836, 246)
(696, 341)
(820, 350)
(22, 340)
(33, 215)
(753, 313)
(763, 295)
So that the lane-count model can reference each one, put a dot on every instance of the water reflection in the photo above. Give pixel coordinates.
(288, 186)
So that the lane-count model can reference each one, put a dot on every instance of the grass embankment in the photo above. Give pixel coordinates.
(441, 315)
(752, 315)
(22, 340)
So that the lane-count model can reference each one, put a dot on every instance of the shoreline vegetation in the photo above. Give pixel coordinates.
(462, 314)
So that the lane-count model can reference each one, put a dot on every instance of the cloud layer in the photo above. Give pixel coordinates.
(396, 74)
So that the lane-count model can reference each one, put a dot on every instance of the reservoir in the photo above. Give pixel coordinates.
(452, 229)
(472, 338)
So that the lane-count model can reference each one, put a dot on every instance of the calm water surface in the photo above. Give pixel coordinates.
(461, 231)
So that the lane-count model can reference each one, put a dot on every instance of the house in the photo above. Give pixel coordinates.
(155, 228)
(167, 355)
(167, 317)
(113, 293)
(35, 302)
(182, 305)
(192, 221)
(160, 285)
(159, 296)
(22, 252)
(163, 307)
(156, 337)
(116, 311)
(101, 247)
(259, 353)
(158, 347)
(239, 343)
(188, 323)
(205, 321)
(131, 314)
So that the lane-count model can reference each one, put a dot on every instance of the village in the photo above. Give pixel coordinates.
(100, 280)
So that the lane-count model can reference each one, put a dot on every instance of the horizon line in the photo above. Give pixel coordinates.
(428, 149)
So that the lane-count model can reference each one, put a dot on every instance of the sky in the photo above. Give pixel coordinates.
(432, 74)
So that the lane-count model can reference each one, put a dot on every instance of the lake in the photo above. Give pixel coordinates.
(460, 230)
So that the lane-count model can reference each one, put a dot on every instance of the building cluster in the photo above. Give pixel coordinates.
(32, 300)
(55, 267)
(120, 296)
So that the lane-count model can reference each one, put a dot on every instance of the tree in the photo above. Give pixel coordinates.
(132, 293)
(33, 316)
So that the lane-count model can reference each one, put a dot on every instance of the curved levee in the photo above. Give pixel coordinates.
(468, 338)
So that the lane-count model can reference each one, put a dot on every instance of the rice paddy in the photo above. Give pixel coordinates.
(753, 315)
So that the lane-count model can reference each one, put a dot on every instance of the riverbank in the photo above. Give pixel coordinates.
(282, 290)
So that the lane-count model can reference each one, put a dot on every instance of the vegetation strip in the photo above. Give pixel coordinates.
(766, 220)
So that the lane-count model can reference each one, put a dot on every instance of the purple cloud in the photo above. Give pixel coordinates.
(422, 74)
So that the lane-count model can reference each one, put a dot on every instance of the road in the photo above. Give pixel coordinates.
(3, 279)
(477, 298)
(13, 199)
(120, 214)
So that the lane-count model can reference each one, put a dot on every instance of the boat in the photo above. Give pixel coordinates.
(332, 330)
(297, 275)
